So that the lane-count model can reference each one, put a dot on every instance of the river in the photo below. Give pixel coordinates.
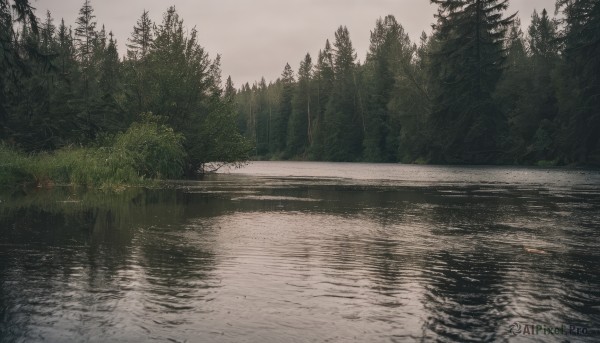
(308, 252)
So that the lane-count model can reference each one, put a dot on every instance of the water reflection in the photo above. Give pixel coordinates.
(263, 259)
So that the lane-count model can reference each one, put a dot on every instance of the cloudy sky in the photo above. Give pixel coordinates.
(257, 37)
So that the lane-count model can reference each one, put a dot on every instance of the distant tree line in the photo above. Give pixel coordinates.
(477, 90)
(67, 86)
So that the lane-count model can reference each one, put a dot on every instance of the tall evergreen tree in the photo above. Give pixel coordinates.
(86, 43)
(411, 103)
(110, 67)
(85, 32)
(344, 124)
(179, 68)
(185, 88)
(389, 57)
(141, 38)
(266, 103)
(66, 96)
(47, 32)
(136, 66)
(300, 125)
(543, 38)
(541, 102)
(323, 83)
(12, 63)
(279, 122)
(467, 66)
(230, 90)
(579, 98)
(511, 93)
(111, 90)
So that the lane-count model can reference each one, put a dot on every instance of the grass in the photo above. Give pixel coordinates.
(91, 167)
(146, 151)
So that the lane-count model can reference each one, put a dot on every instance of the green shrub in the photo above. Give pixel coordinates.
(154, 150)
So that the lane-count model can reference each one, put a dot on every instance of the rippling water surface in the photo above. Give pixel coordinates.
(302, 252)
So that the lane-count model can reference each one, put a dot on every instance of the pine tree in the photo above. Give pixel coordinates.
(11, 61)
(410, 104)
(265, 101)
(579, 98)
(141, 38)
(214, 74)
(230, 91)
(388, 60)
(279, 122)
(86, 43)
(66, 101)
(110, 67)
(110, 88)
(541, 104)
(47, 35)
(299, 131)
(179, 69)
(185, 89)
(344, 125)
(511, 94)
(85, 33)
(543, 37)
(467, 65)
(137, 66)
(323, 83)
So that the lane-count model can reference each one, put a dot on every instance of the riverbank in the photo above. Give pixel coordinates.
(146, 151)
(91, 167)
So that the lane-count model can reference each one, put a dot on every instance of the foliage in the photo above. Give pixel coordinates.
(221, 141)
(99, 167)
(62, 88)
(579, 83)
(479, 89)
(153, 150)
(467, 64)
(299, 134)
(147, 150)
(387, 70)
(343, 121)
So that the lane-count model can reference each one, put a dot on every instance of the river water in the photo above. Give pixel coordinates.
(308, 252)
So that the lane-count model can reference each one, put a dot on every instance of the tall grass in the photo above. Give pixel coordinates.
(147, 151)
(93, 167)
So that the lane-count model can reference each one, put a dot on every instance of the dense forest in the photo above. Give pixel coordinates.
(157, 112)
(478, 89)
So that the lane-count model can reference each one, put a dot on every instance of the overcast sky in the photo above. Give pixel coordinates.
(257, 37)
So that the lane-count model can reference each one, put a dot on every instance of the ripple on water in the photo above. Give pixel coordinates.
(393, 253)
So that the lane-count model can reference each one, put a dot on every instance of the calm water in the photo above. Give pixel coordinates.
(303, 252)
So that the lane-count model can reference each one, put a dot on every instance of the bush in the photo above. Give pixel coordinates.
(152, 149)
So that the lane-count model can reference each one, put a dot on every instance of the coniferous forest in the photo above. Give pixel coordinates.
(480, 89)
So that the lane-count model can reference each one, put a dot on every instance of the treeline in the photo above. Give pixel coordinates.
(477, 90)
(66, 86)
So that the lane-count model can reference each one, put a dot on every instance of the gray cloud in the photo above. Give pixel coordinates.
(257, 37)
